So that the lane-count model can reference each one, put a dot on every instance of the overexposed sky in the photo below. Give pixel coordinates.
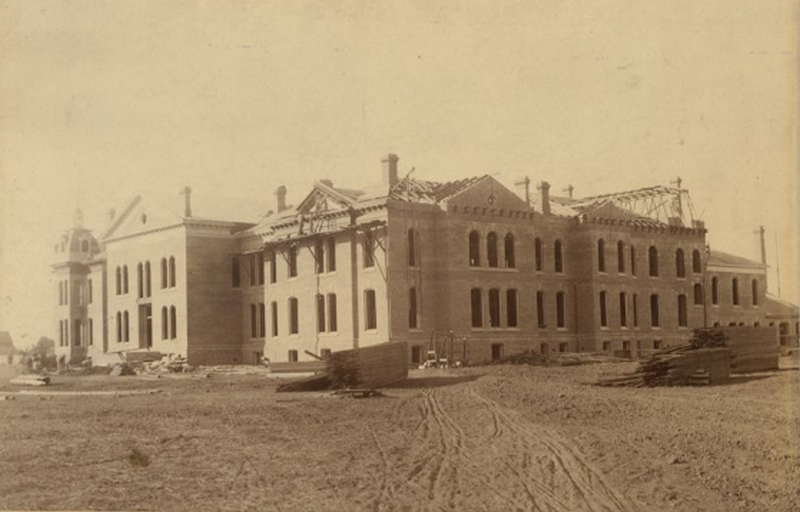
(103, 99)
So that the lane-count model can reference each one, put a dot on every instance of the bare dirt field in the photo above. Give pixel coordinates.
(487, 438)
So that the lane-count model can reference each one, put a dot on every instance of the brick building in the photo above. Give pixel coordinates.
(406, 260)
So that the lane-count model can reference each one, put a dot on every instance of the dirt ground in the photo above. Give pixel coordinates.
(487, 438)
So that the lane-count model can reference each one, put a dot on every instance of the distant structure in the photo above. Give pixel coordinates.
(404, 260)
(8, 354)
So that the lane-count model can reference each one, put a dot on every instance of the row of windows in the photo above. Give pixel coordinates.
(734, 291)
(655, 313)
(478, 313)
(492, 256)
(168, 277)
(652, 258)
(626, 345)
(85, 293)
(169, 323)
(326, 311)
(81, 332)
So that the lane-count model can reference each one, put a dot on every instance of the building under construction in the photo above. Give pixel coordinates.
(491, 270)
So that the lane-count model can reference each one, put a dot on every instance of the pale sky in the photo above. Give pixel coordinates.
(103, 99)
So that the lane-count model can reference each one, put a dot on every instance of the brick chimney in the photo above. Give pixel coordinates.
(544, 194)
(280, 193)
(187, 201)
(389, 163)
(523, 187)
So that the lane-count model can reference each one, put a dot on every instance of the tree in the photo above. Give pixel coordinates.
(45, 352)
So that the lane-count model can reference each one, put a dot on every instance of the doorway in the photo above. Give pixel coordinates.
(145, 325)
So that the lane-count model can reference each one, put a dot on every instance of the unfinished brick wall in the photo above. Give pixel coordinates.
(373, 366)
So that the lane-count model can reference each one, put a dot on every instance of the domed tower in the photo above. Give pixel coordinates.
(78, 281)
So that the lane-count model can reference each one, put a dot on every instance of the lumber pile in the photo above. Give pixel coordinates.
(678, 366)
(753, 349)
(31, 380)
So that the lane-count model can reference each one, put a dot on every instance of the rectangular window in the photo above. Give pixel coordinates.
(236, 272)
(370, 313)
(494, 308)
(412, 308)
(497, 351)
(635, 310)
(274, 312)
(253, 321)
(633, 261)
(293, 261)
(253, 270)
(262, 320)
(560, 310)
(476, 306)
(90, 291)
(369, 249)
(623, 310)
(294, 318)
(321, 313)
(273, 268)
(540, 320)
(331, 254)
(90, 332)
(319, 257)
(511, 308)
(164, 323)
(603, 310)
(654, 313)
(683, 317)
(260, 267)
(332, 315)
(77, 338)
(292, 356)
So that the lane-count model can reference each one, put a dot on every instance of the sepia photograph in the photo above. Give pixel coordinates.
(445, 256)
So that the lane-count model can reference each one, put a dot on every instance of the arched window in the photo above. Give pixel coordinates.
(253, 321)
(601, 255)
(558, 254)
(655, 321)
(474, 249)
(511, 261)
(172, 274)
(683, 315)
(491, 249)
(413, 250)
(147, 289)
(125, 279)
(273, 267)
(173, 322)
(164, 273)
(754, 291)
(603, 309)
(652, 254)
(330, 253)
(620, 257)
(321, 324)
(735, 291)
(623, 310)
(541, 323)
(294, 319)
(118, 288)
(511, 308)
(696, 263)
(714, 290)
(476, 307)
(164, 323)
(333, 321)
(494, 307)
(370, 310)
(140, 280)
(412, 308)
(635, 310)
(293, 261)
(698, 294)
(680, 264)
(633, 260)
(537, 253)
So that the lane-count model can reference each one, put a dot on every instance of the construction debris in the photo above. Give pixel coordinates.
(313, 383)
(31, 380)
(122, 369)
(678, 366)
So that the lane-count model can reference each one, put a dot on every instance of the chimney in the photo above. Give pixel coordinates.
(761, 231)
(280, 193)
(569, 190)
(389, 163)
(544, 193)
(187, 201)
(524, 189)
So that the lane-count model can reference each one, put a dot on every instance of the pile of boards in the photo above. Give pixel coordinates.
(31, 379)
(678, 366)
(753, 349)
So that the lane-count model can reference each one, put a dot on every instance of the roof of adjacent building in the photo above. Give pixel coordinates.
(723, 259)
(779, 308)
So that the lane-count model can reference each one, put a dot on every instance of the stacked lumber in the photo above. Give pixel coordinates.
(753, 349)
(678, 366)
(297, 367)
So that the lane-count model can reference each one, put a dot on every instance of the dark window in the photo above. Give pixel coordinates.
(412, 308)
(494, 308)
(683, 316)
(292, 356)
(253, 321)
(511, 308)
(698, 294)
(680, 264)
(606, 346)
(320, 313)
(560, 309)
(497, 351)
(654, 318)
(635, 310)
(371, 310)
(623, 309)
(125, 279)
(172, 274)
(476, 305)
(416, 354)
(90, 332)
(657, 344)
(274, 312)
(164, 323)
(119, 281)
(563, 347)
(474, 249)
(333, 322)
(559, 257)
(252, 275)
(537, 252)
(262, 320)
(412, 248)
(491, 250)
(260, 267)
(294, 321)
(77, 338)
(164, 274)
(119, 327)
(331, 254)
(753, 290)
(603, 309)
(714, 290)
(620, 257)
(293, 261)
(511, 261)
(735, 291)
(273, 267)
(652, 254)
(140, 280)
(633, 261)
(319, 257)
(544, 348)
(540, 321)
(696, 263)
(236, 272)
(126, 335)
(369, 249)
(601, 255)
(147, 281)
